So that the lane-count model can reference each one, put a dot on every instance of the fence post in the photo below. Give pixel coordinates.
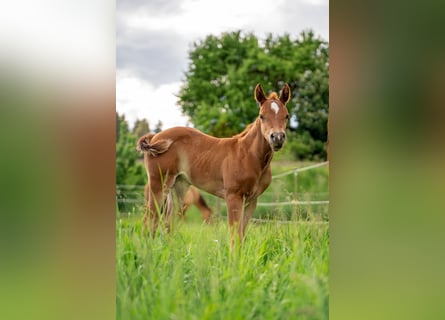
(295, 184)
(294, 196)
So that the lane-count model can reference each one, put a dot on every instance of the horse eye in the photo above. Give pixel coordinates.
(287, 117)
(261, 117)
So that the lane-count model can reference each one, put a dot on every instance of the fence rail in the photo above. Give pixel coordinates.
(133, 188)
(258, 220)
(296, 170)
(294, 203)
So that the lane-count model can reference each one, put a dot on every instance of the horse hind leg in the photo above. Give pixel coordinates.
(153, 211)
(204, 208)
(158, 201)
(189, 199)
(175, 199)
(183, 209)
(169, 209)
(194, 197)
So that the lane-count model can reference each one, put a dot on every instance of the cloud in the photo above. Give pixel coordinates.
(155, 56)
(139, 99)
(306, 14)
(152, 7)
(153, 39)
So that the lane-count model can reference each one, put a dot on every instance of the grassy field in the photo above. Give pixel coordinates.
(281, 272)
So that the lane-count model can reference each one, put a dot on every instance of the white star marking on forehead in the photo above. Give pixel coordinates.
(275, 107)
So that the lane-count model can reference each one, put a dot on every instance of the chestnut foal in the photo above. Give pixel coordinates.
(236, 169)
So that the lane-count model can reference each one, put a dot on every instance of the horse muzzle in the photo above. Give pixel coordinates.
(277, 140)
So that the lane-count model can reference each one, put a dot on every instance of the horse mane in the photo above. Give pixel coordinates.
(246, 130)
(273, 95)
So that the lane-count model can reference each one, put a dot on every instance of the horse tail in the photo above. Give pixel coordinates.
(155, 149)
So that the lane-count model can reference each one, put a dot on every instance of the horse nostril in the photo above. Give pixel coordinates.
(277, 137)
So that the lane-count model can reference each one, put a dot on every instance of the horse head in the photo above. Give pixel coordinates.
(273, 115)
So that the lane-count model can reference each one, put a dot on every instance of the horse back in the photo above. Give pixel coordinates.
(190, 152)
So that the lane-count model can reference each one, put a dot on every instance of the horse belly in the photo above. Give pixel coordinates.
(212, 186)
(204, 171)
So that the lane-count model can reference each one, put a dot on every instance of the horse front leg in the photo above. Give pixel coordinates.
(247, 215)
(235, 213)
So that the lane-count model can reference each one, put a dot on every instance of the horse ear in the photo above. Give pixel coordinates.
(260, 97)
(285, 94)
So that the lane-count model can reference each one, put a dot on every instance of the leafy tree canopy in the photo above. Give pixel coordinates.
(141, 127)
(217, 93)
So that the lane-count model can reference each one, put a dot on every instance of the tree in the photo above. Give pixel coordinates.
(129, 170)
(217, 93)
(141, 127)
(214, 95)
(158, 127)
(311, 104)
(119, 120)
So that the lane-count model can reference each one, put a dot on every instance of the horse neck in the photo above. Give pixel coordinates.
(253, 139)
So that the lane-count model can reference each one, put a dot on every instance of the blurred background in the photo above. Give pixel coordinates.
(196, 63)
(159, 44)
(58, 152)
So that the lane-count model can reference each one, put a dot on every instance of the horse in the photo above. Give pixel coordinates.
(236, 169)
(194, 197)
(191, 197)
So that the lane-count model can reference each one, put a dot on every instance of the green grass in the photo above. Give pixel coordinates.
(281, 272)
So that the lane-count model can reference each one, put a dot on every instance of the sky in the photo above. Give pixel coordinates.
(153, 39)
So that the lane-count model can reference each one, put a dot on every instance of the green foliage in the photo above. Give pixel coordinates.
(158, 127)
(129, 167)
(280, 273)
(303, 146)
(141, 127)
(129, 170)
(120, 119)
(223, 71)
